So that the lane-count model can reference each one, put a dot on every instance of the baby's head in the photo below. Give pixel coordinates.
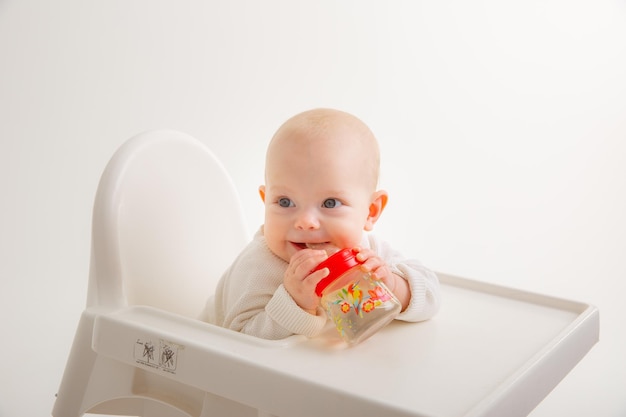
(321, 176)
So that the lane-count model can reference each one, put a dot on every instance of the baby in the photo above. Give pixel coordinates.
(320, 195)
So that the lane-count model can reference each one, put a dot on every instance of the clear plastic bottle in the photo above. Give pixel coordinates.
(358, 304)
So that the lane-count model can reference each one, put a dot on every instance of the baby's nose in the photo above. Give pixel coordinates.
(307, 220)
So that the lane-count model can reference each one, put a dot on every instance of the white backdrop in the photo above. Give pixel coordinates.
(502, 127)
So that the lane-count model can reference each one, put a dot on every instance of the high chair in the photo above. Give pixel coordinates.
(167, 222)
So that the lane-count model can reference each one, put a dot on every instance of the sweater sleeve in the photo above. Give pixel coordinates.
(423, 283)
(283, 310)
(279, 318)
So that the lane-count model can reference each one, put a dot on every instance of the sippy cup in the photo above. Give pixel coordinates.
(358, 304)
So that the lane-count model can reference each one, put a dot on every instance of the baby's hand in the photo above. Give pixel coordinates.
(300, 282)
(373, 264)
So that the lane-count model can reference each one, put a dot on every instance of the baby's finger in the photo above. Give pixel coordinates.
(304, 254)
(315, 277)
(363, 255)
(307, 259)
(371, 264)
(381, 272)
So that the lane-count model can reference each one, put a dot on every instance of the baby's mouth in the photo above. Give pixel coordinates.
(303, 245)
(326, 246)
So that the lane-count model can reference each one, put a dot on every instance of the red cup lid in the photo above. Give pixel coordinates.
(337, 264)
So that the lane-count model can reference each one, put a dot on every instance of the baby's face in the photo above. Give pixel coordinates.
(317, 195)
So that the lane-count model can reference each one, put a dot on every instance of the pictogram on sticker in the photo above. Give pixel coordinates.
(159, 354)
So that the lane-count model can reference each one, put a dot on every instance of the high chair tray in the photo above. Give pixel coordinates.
(491, 351)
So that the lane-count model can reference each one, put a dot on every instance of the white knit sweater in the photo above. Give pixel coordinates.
(250, 296)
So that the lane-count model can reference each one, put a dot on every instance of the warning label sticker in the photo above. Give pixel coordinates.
(159, 354)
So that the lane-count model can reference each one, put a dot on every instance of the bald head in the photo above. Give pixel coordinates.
(323, 133)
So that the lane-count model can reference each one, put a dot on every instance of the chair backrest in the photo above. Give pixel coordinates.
(167, 221)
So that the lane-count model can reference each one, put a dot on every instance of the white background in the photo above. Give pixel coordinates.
(502, 126)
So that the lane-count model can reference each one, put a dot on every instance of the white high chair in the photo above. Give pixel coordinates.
(167, 221)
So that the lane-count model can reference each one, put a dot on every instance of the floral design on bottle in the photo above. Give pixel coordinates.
(352, 297)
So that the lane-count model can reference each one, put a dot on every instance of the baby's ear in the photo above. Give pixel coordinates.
(379, 201)
(262, 192)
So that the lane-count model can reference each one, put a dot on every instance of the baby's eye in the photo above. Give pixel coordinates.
(285, 202)
(331, 203)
